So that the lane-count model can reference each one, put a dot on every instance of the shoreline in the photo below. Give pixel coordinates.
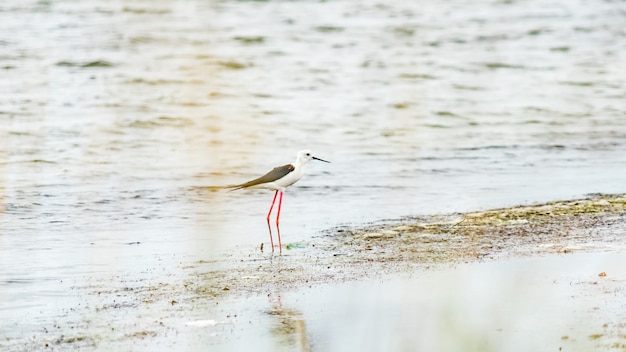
(339, 255)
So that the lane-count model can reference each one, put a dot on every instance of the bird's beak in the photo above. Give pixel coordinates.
(321, 160)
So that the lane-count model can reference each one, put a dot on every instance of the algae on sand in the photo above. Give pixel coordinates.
(560, 226)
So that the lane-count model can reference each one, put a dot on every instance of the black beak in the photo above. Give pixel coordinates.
(321, 160)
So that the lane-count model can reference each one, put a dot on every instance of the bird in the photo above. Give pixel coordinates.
(278, 179)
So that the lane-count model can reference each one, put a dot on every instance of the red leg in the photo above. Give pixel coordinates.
(268, 220)
(269, 228)
(280, 246)
(280, 203)
(272, 206)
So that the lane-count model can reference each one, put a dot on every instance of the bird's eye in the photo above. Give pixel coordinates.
(308, 154)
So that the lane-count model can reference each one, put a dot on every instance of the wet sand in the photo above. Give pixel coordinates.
(202, 302)
(340, 254)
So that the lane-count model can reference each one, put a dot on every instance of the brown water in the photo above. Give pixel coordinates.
(115, 116)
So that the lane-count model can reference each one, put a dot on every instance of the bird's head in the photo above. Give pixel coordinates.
(304, 156)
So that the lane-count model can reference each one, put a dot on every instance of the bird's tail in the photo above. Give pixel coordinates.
(230, 188)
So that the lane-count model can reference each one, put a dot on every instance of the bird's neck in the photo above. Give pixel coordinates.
(298, 163)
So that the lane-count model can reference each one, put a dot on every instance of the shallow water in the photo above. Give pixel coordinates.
(541, 304)
(548, 303)
(115, 116)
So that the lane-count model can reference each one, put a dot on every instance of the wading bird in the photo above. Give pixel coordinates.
(278, 180)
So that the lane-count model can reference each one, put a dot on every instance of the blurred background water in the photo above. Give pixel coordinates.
(116, 115)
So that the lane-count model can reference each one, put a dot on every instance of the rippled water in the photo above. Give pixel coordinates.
(116, 115)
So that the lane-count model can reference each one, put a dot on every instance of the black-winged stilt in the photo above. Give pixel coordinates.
(278, 179)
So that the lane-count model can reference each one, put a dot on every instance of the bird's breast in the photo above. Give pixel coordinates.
(290, 178)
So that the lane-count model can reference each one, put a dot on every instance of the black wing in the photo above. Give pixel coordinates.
(276, 173)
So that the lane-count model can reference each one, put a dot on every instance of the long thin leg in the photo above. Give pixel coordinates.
(272, 206)
(280, 204)
(280, 246)
(269, 229)
(268, 220)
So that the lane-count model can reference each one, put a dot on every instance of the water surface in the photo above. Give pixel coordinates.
(115, 116)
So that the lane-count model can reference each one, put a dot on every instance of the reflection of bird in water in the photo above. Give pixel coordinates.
(278, 180)
(290, 327)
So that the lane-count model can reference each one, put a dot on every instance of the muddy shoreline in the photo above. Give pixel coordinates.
(591, 224)
(596, 223)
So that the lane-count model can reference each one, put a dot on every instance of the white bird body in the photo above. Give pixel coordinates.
(281, 177)
(282, 183)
